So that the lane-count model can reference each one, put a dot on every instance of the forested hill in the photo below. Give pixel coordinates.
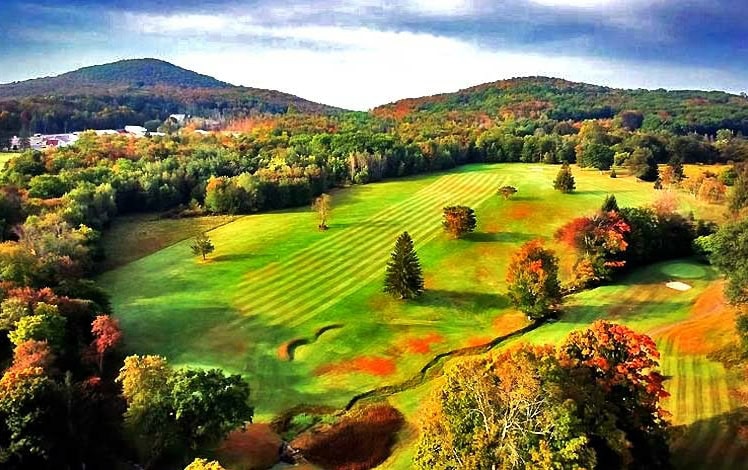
(132, 92)
(125, 75)
(536, 98)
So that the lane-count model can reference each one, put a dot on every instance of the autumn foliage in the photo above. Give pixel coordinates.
(594, 402)
(458, 220)
(533, 281)
(107, 335)
(359, 441)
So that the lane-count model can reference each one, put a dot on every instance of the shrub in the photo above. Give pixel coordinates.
(360, 441)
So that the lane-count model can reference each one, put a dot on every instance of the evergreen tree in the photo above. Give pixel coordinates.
(610, 204)
(564, 180)
(403, 278)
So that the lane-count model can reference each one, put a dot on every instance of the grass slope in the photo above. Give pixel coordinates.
(277, 289)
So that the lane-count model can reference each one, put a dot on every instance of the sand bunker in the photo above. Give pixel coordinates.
(679, 286)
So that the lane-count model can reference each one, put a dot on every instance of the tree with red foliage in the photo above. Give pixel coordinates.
(107, 335)
(32, 353)
(599, 240)
(533, 280)
(624, 365)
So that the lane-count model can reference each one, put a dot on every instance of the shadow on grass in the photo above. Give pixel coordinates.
(236, 257)
(624, 310)
(523, 198)
(716, 442)
(593, 193)
(447, 298)
(501, 237)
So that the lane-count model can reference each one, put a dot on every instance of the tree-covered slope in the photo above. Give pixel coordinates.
(549, 98)
(132, 92)
(102, 79)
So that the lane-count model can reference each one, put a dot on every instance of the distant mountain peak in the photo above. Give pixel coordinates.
(129, 73)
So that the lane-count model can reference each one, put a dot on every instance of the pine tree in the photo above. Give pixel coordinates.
(564, 180)
(610, 204)
(403, 278)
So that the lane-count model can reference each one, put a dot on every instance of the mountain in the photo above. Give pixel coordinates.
(680, 111)
(122, 75)
(133, 92)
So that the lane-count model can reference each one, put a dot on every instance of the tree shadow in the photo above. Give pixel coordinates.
(617, 312)
(448, 298)
(718, 441)
(236, 257)
(500, 237)
(591, 192)
(524, 198)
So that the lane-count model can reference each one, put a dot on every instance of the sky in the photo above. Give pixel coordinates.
(362, 53)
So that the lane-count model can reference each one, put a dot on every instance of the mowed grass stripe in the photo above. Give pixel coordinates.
(417, 200)
(315, 258)
(308, 267)
(305, 272)
(670, 369)
(375, 272)
(364, 266)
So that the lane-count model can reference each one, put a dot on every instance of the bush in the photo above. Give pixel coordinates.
(360, 441)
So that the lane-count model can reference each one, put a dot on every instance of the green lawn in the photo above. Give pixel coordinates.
(132, 237)
(275, 279)
(5, 157)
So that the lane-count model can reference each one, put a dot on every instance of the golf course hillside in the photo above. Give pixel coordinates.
(300, 313)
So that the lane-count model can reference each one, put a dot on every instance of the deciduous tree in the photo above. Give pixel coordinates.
(507, 191)
(458, 220)
(48, 327)
(322, 206)
(107, 336)
(534, 287)
(503, 412)
(201, 245)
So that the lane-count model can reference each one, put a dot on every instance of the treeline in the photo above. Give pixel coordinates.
(283, 162)
(680, 112)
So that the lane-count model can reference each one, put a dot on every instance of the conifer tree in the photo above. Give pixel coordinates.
(610, 204)
(403, 278)
(564, 180)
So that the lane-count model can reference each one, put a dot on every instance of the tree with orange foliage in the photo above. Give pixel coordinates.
(29, 422)
(592, 403)
(624, 365)
(533, 281)
(506, 411)
(107, 336)
(458, 220)
(599, 240)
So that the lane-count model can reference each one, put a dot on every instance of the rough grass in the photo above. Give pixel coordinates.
(274, 278)
(135, 236)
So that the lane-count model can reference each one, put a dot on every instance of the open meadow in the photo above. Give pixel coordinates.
(301, 315)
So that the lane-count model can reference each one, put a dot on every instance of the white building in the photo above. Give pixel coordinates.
(138, 131)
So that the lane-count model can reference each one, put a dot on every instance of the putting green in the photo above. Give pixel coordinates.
(681, 270)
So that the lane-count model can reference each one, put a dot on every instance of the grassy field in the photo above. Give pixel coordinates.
(147, 233)
(5, 157)
(301, 315)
